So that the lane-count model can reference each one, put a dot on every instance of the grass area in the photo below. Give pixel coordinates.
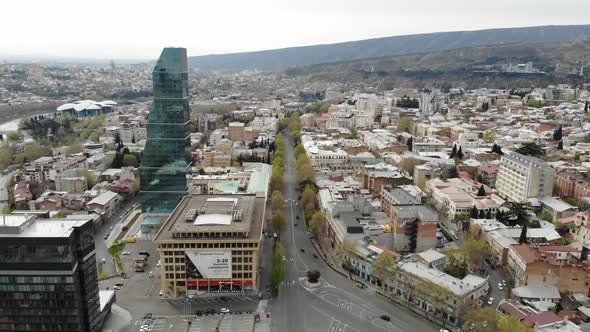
(115, 251)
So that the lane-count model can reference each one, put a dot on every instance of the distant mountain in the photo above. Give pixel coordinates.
(474, 67)
(279, 59)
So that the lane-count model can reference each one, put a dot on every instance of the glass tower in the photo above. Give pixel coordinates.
(166, 156)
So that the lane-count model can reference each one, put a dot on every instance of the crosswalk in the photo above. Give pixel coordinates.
(211, 300)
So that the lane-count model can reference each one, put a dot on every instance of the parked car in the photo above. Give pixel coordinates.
(385, 318)
(126, 253)
(160, 292)
(491, 301)
(210, 311)
(302, 249)
(224, 310)
(119, 284)
(314, 255)
(116, 287)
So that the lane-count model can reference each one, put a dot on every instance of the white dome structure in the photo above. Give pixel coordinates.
(87, 108)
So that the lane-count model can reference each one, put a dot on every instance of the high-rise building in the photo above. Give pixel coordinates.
(48, 277)
(522, 177)
(166, 156)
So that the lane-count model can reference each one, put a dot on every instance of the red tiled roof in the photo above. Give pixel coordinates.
(542, 319)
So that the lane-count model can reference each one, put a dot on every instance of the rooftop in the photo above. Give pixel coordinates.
(456, 286)
(223, 214)
(30, 227)
(537, 292)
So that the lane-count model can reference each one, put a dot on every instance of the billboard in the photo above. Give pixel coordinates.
(210, 264)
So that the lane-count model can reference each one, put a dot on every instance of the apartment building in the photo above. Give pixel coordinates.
(413, 224)
(522, 177)
(211, 244)
(570, 184)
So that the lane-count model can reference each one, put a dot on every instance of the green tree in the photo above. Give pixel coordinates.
(276, 181)
(277, 201)
(408, 165)
(90, 179)
(480, 320)
(481, 191)
(278, 270)
(308, 198)
(34, 151)
(476, 250)
(279, 221)
(457, 264)
(74, 149)
(5, 157)
(115, 251)
(14, 136)
(489, 136)
(512, 324)
(382, 265)
(523, 237)
(404, 124)
(130, 160)
(313, 276)
(317, 225)
(299, 150)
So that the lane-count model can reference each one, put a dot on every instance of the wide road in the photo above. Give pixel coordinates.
(104, 229)
(336, 306)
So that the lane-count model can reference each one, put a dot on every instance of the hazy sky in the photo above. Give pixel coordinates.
(139, 29)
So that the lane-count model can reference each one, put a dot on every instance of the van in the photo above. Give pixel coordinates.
(145, 253)
(131, 240)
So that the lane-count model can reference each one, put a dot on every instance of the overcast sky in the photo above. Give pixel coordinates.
(139, 29)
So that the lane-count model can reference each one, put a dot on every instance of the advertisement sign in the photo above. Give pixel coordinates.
(210, 264)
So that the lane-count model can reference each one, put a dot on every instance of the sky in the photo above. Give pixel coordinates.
(135, 29)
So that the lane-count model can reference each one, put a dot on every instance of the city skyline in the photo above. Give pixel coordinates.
(262, 25)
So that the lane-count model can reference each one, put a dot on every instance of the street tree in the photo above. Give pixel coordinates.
(308, 198)
(382, 265)
(313, 276)
(277, 201)
(279, 221)
(317, 225)
(512, 324)
(278, 269)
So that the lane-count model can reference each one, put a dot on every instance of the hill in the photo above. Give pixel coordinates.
(280, 59)
(468, 67)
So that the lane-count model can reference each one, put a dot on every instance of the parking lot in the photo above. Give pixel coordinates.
(216, 322)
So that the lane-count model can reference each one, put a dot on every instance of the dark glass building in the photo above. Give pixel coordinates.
(166, 155)
(48, 277)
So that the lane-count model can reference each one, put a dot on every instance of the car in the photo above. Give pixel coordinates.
(104, 260)
(199, 313)
(224, 310)
(126, 253)
(284, 259)
(297, 204)
(260, 296)
(385, 318)
(314, 255)
(111, 228)
(210, 311)
(500, 287)
(223, 299)
(491, 301)
(124, 228)
(359, 285)
(107, 236)
(145, 253)
(302, 249)
(119, 284)
(158, 263)
(116, 287)
(295, 224)
(151, 274)
(297, 217)
(504, 282)
(160, 292)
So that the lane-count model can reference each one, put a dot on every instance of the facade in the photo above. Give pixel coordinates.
(522, 177)
(572, 185)
(74, 184)
(166, 156)
(48, 277)
(412, 223)
(236, 131)
(211, 244)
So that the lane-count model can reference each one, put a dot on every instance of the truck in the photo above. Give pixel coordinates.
(140, 263)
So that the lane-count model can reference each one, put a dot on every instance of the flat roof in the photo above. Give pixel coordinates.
(29, 227)
(456, 286)
(244, 212)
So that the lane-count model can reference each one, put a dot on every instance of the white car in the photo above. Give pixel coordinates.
(158, 264)
(116, 287)
(104, 260)
(160, 292)
(224, 310)
(500, 286)
(491, 301)
(126, 253)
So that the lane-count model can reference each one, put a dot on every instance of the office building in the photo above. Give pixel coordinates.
(522, 177)
(48, 277)
(166, 156)
(210, 244)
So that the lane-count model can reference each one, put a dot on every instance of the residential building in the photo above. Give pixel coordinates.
(413, 224)
(48, 276)
(166, 155)
(573, 185)
(236, 131)
(105, 203)
(556, 208)
(522, 177)
(536, 265)
(211, 244)
(71, 184)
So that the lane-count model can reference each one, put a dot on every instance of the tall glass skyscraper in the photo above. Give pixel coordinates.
(166, 156)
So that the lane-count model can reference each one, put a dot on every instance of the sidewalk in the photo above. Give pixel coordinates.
(376, 290)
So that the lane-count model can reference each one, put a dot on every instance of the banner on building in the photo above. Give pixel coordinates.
(210, 264)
